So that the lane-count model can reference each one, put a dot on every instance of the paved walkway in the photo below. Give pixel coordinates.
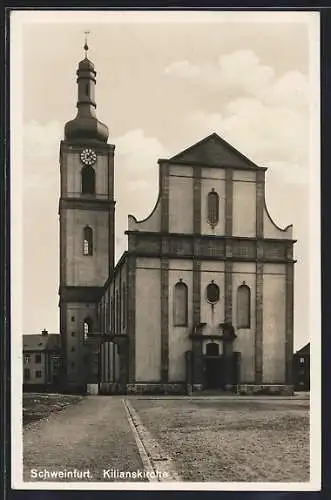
(90, 437)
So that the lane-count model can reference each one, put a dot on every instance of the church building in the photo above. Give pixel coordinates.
(203, 296)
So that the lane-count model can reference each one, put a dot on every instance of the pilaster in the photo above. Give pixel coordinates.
(164, 320)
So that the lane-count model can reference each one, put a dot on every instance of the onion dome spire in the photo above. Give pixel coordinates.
(86, 125)
(85, 45)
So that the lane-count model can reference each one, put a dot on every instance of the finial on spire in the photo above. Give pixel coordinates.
(85, 45)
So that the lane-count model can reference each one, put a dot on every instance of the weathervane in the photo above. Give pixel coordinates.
(85, 45)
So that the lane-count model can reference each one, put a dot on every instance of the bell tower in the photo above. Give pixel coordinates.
(86, 213)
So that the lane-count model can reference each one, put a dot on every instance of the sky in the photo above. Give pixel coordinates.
(165, 81)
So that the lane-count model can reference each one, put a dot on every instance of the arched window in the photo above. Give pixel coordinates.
(180, 304)
(212, 349)
(88, 180)
(87, 326)
(213, 293)
(243, 306)
(87, 241)
(213, 208)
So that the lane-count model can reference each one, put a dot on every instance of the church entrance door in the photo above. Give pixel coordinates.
(213, 373)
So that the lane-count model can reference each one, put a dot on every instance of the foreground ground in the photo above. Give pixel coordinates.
(189, 439)
(38, 406)
(232, 440)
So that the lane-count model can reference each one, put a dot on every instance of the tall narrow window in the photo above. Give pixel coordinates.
(213, 208)
(243, 306)
(88, 180)
(180, 304)
(87, 326)
(87, 241)
(86, 89)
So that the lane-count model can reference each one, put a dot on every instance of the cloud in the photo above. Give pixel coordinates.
(242, 74)
(239, 72)
(182, 69)
(136, 179)
(41, 156)
(262, 133)
(290, 90)
(136, 151)
(263, 115)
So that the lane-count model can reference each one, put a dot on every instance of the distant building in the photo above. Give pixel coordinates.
(41, 361)
(202, 299)
(301, 369)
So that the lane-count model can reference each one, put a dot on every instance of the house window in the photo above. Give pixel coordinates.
(38, 358)
(180, 304)
(302, 360)
(26, 374)
(213, 293)
(72, 319)
(72, 349)
(86, 89)
(213, 208)
(88, 180)
(38, 374)
(87, 325)
(87, 240)
(73, 334)
(244, 306)
(27, 359)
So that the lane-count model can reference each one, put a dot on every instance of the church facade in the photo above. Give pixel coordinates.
(202, 298)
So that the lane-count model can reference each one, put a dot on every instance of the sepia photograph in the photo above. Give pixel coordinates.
(165, 250)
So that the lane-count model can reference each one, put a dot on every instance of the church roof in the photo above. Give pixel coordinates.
(215, 152)
(304, 350)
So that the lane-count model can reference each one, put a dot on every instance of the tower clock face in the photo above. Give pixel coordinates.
(88, 156)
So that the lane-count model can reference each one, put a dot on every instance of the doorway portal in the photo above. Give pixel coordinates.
(214, 372)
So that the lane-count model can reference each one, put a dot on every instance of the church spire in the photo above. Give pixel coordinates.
(85, 45)
(86, 125)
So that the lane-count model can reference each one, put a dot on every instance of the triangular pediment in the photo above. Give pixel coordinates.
(214, 151)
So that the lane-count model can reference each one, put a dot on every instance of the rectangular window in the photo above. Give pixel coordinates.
(38, 358)
(26, 374)
(26, 359)
(38, 374)
(73, 334)
(72, 318)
